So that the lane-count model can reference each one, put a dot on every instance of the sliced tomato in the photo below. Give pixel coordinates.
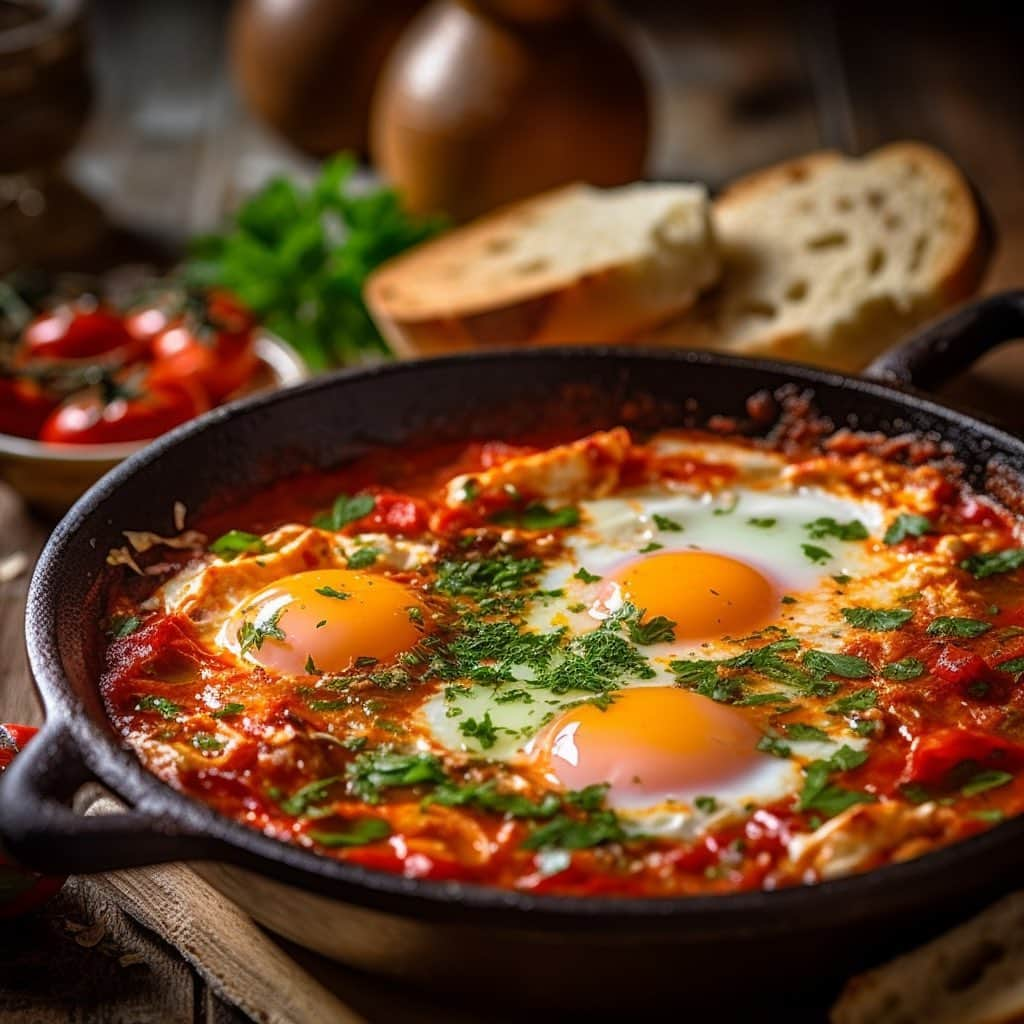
(217, 351)
(77, 332)
(957, 665)
(20, 890)
(933, 756)
(397, 513)
(128, 412)
(24, 406)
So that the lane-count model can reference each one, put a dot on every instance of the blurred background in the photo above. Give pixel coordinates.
(165, 113)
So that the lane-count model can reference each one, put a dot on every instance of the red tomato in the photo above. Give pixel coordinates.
(933, 756)
(132, 414)
(24, 406)
(397, 513)
(959, 666)
(20, 890)
(70, 332)
(219, 354)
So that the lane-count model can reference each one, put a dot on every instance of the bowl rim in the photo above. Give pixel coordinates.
(282, 358)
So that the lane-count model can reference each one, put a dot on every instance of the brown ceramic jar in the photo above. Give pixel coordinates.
(482, 102)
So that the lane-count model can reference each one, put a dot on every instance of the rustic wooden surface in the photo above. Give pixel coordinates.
(169, 150)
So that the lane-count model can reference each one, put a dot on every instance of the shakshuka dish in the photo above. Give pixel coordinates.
(622, 664)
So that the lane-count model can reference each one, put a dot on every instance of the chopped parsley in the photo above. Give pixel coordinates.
(847, 666)
(842, 578)
(228, 710)
(653, 546)
(380, 769)
(252, 635)
(826, 526)
(207, 741)
(908, 668)
(762, 522)
(346, 509)
(878, 620)
(1015, 666)
(984, 781)
(658, 630)
(980, 566)
(368, 830)
(587, 577)
(955, 625)
(487, 797)
(329, 591)
(310, 795)
(566, 833)
(862, 700)
(537, 516)
(361, 558)
(480, 578)
(706, 804)
(482, 730)
(123, 625)
(991, 815)
(815, 554)
(907, 525)
(821, 795)
(666, 524)
(774, 746)
(311, 668)
(161, 705)
(237, 542)
(798, 731)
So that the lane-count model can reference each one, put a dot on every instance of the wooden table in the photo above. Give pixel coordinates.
(169, 150)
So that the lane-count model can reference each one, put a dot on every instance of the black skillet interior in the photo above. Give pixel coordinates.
(239, 448)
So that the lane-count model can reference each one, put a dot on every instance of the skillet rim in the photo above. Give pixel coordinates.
(233, 843)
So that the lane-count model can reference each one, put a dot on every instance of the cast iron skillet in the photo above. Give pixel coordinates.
(544, 950)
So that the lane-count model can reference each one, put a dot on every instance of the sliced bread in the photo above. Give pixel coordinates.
(971, 975)
(828, 259)
(575, 265)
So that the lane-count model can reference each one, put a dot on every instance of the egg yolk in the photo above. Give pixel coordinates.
(653, 743)
(322, 621)
(705, 594)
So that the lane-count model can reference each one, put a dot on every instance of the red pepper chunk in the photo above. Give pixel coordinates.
(21, 890)
(933, 756)
(957, 665)
(397, 514)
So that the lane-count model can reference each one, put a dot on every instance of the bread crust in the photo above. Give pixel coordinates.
(957, 275)
(551, 307)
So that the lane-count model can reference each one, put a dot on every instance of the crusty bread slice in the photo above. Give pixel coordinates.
(973, 974)
(828, 259)
(575, 265)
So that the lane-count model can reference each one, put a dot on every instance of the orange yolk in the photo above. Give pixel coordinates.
(325, 620)
(654, 743)
(705, 594)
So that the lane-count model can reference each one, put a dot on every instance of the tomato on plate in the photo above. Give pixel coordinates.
(214, 348)
(77, 332)
(116, 411)
(20, 890)
(24, 406)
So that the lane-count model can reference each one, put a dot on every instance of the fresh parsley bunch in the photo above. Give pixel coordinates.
(298, 258)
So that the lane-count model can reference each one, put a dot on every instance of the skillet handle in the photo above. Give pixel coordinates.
(941, 350)
(39, 830)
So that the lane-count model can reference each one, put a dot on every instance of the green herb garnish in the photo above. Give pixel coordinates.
(227, 710)
(847, 666)
(346, 509)
(878, 620)
(161, 705)
(666, 524)
(123, 625)
(298, 257)
(955, 625)
(980, 566)
(237, 542)
(368, 830)
(826, 526)
(252, 635)
(906, 525)
(361, 558)
(984, 781)
(815, 554)
(862, 700)
(904, 669)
